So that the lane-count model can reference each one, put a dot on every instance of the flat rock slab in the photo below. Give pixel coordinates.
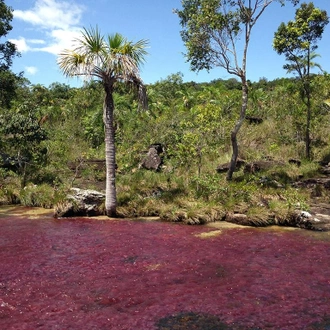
(318, 219)
(321, 216)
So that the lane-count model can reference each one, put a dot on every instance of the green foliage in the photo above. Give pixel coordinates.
(22, 138)
(205, 127)
(22, 132)
(9, 187)
(192, 122)
(210, 29)
(41, 196)
(7, 49)
(201, 21)
(295, 200)
(9, 83)
(8, 80)
(209, 187)
(297, 40)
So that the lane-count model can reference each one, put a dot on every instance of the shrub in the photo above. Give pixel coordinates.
(40, 195)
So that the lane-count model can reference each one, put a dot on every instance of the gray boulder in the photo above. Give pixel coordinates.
(222, 168)
(317, 219)
(81, 202)
(153, 160)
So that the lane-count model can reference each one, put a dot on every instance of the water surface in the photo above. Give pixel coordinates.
(85, 273)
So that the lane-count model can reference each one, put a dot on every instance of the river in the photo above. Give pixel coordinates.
(85, 273)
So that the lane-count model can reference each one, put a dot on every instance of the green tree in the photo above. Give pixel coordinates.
(9, 83)
(8, 51)
(22, 138)
(297, 40)
(112, 60)
(211, 30)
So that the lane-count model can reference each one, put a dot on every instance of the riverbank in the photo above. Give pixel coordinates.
(320, 217)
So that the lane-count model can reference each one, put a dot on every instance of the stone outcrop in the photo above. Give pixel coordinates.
(256, 166)
(225, 167)
(254, 120)
(320, 217)
(153, 160)
(310, 220)
(317, 219)
(81, 202)
(261, 165)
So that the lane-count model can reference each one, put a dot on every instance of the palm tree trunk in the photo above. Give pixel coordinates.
(110, 153)
(239, 123)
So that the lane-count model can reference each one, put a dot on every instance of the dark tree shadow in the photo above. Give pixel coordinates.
(191, 321)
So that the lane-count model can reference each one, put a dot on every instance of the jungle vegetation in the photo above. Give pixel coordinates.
(52, 138)
(55, 134)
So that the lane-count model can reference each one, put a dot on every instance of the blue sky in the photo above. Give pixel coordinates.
(42, 28)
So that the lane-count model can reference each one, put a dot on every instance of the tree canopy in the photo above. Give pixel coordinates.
(211, 30)
(8, 51)
(297, 40)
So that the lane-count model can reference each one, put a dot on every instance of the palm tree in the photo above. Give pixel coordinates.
(111, 59)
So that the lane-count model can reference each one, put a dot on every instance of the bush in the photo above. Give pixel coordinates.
(40, 196)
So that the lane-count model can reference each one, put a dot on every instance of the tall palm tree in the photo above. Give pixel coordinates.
(111, 59)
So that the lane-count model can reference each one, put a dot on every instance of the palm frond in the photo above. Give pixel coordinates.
(118, 45)
(92, 40)
(115, 42)
(111, 58)
(138, 51)
(70, 62)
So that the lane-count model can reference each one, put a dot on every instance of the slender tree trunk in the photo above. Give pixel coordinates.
(308, 120)
(236, 129)
(308, 124)
(110, 153)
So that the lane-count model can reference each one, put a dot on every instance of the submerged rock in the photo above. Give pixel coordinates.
(191, 320)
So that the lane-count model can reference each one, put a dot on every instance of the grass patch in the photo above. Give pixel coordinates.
(40, 196)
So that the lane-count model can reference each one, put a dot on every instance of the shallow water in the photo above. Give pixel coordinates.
(121, 274)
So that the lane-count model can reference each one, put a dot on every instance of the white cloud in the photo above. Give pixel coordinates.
(61, 39)
(21, 44)
(31, 70)
(51, 14)
(58, 20)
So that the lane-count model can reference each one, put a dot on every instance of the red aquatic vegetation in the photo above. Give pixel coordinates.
(94, 274)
